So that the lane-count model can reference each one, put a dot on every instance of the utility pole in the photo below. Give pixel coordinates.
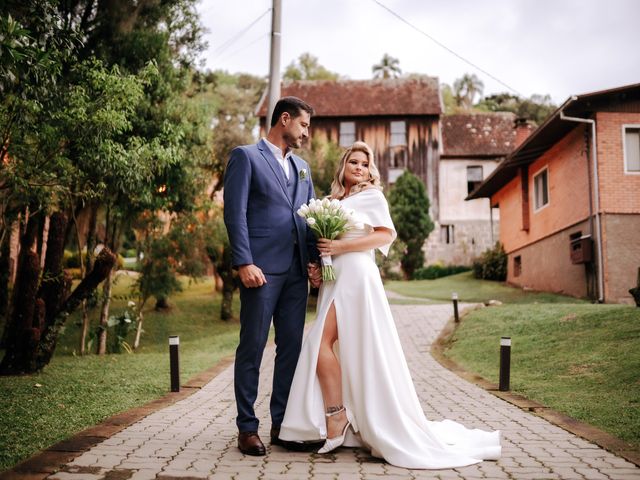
(274, 65)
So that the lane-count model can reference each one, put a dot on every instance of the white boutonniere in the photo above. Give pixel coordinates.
(303, 174)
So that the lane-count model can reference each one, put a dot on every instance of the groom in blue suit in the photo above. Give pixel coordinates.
(264, 185)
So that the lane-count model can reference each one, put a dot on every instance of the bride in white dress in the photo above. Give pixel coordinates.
(352, 385)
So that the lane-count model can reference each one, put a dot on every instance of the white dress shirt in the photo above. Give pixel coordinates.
(283, 161)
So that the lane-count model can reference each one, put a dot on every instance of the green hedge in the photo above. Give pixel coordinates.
(437, 271)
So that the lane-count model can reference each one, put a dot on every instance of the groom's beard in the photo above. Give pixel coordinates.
(292, 142)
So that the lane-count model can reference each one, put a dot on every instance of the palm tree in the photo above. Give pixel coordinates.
(465, 90)
(387, 68)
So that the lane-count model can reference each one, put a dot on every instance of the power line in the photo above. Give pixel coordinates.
(221, 48)
(264, 35)
(446, 48)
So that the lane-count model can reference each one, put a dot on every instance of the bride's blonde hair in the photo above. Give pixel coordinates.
(337, 186)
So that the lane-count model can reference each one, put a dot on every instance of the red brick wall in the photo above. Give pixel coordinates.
(619, 192)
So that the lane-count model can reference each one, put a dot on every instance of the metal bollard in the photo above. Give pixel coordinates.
(505, 363)
(456, 316)
(174, 362)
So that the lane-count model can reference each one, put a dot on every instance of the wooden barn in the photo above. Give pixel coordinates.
(398, 118)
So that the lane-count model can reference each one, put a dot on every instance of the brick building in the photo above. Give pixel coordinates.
(569, 199)
(472, 147)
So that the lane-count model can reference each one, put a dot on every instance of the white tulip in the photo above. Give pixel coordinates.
(311, 221)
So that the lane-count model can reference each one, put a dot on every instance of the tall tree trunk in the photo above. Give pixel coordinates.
(4, 284)
(91, 244)
(17, 358)
(136, 342)
(52, 289)
(23, 303)
(104, 314)
(113, 230)
(162, 304)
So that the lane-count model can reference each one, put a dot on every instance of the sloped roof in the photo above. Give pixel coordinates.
(554, 128)
(364, 98)
(478, 134)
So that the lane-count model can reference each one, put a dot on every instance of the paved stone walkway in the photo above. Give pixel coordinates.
(196, 437)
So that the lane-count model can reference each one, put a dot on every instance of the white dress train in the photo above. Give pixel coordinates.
(378, 390)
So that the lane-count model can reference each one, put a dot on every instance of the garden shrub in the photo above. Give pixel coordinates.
(492, 264)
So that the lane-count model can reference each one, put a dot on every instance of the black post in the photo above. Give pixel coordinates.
(454, 297)
(174, 362)
(505, 363)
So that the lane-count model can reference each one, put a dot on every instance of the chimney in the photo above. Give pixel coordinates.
(523, 129)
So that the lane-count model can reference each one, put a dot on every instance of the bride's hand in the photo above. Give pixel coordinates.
(328, 247)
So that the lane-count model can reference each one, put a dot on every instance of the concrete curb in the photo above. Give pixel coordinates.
(52, 459)
(581, 429)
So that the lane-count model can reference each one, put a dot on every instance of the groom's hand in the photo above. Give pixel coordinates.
(251, 276)
(315, 274)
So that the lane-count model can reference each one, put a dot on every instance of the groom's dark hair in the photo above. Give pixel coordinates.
(293, 106)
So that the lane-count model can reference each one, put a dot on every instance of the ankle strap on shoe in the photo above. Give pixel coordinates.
(331, 411)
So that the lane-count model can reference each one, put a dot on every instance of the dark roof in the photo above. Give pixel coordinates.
(478, 134)
(363, 98)
(554, 128)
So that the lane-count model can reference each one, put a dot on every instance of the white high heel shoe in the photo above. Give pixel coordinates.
(332, 443)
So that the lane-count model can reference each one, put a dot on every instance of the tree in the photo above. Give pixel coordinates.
(131, 35)
(536, 108)
(466, 89)
(389, 67)
(409, 207)
(323, 158)
(308, 68)
(110, 133)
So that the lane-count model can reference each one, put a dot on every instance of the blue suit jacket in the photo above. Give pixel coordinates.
(260, 217)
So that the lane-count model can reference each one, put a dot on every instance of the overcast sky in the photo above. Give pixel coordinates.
(555, 47)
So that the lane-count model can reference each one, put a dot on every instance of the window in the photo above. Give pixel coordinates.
(631, 149)
(446, 234)
(541, 189)
(394, 174)
(347, 133)
(398, 133)
(517, 266)
(474, 178)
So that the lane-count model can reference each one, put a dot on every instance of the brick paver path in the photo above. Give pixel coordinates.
(196, 437)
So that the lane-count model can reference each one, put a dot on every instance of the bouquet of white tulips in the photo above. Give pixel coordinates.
(327, 219)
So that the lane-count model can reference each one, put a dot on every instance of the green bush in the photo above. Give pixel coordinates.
(71, 259)
(437, 271)
(409, 207)
(492, 265)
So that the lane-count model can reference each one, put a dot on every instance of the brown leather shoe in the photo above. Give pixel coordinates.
(249, 443)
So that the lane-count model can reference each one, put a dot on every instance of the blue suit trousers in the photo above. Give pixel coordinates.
(284, 299)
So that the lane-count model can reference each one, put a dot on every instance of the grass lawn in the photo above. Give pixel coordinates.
(470, 289)
(582, 360)
(73, 393)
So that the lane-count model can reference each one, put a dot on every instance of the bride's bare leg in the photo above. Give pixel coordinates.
(330, 376)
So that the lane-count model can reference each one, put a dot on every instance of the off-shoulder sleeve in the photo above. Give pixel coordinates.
(372, 209)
